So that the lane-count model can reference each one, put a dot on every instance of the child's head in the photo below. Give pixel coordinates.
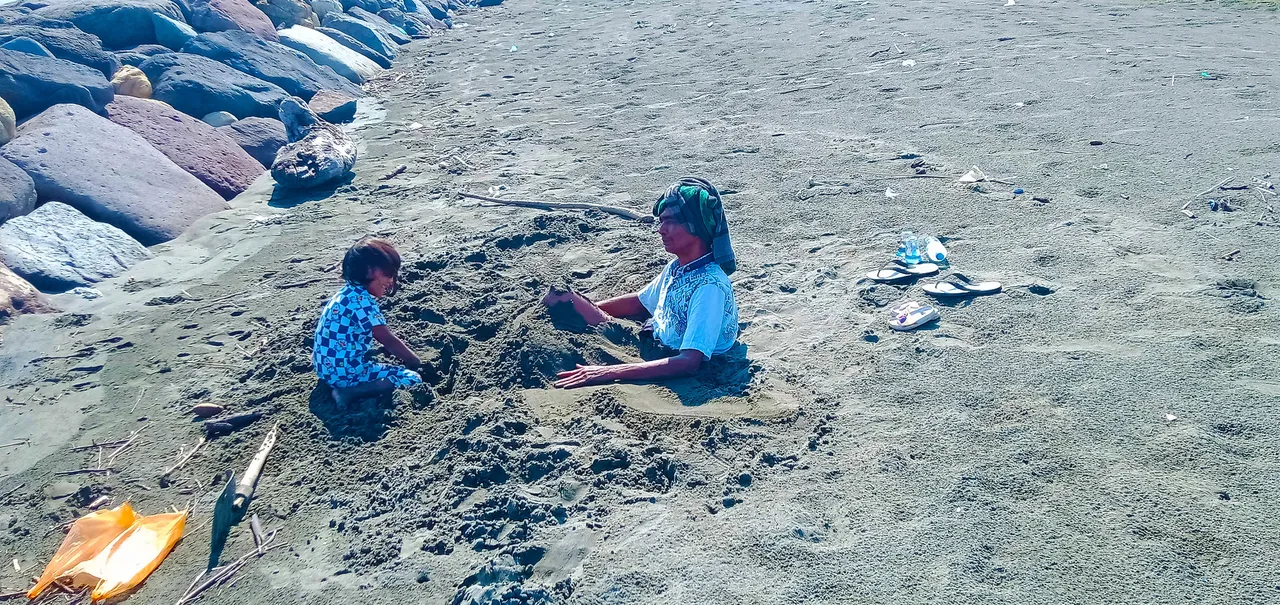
(372, 263)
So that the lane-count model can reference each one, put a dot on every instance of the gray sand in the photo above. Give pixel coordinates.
(1102, 432)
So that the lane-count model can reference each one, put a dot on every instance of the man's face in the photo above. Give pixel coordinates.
(675, 236)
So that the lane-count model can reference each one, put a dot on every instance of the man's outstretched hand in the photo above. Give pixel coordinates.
(582, 376)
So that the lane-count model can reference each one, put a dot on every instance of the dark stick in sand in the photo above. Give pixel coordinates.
(614, 210)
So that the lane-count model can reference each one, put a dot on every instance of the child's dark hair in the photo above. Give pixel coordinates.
(366, 255)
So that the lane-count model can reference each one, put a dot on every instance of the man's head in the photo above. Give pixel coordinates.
(373, 263)
(676, 235)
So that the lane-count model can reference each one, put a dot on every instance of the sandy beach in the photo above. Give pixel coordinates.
(1104, 431)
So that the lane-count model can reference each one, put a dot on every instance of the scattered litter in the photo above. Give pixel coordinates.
(909, 63)
(514, 48)
(890, 193)
(111, 551)
(1189, 213)
(1221, 206)
(1170, 417)
(1231, 255)
(1010, 3)
(974, 175)
(415, 126)
(1204, 75)
(1018, 191)
(1102, 167)
(1042, 200)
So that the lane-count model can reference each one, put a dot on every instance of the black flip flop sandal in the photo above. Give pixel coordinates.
(958, 285)
(900, 271)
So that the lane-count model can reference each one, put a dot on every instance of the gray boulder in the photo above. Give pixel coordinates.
(318, 152)
(219, 118)
(24, 44)
(275, 63)
(260, 137)
(171, 33)
(118, 23)
(333, 107)
(32, 83)
(199, 86)
(57, 248)
(192, 144)
(231, 15)
(396, 34)
(136, 55)
(326, 51)
(324, 7)
(65, 41)
(371, 5)
(17, 191)
(109, 173)
(287, 13)
(356, 45)
(363, 32)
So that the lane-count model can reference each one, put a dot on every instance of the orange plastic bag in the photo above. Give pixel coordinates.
(121, 562)
(89, 536)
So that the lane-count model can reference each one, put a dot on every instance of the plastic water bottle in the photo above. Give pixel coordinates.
(934, 251)
(909, 248)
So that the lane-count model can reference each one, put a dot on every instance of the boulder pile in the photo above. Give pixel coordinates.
(122, 122)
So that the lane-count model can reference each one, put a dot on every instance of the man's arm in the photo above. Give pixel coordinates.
(627, 305)
(687, 362)
(395, 346)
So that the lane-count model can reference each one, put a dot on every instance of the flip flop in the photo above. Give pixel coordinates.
(899, 271)
(910, 315)
(957, 285)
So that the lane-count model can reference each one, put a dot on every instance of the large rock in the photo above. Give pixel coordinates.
(324, 7)
(372, 5)
(199, 86)
(65, 41)
(318, 152)
(357, 46)
(24, 44)
(171, 33)
(17, 191)
(32, 84)
(131, 82)
(57, 248)
(363, 32)
(109, 173)
(396, 34)
(287, 13)
(231, 15)
(8, 123)
(333, 107)
(260, 137)
(192, 144)
(18, 296)
(137, 55)
(270, 61)
(328, 52)
(119, 23)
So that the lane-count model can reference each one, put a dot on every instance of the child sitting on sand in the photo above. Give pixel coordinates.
(352, 319)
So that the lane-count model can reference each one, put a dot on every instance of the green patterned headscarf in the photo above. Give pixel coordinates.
(702, 211)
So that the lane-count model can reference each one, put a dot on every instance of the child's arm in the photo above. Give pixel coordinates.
(627, 305)
(684, 364)
(395, 346)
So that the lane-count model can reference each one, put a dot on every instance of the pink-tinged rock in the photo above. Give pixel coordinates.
(109, 173)
(231, 15)
(193, 145)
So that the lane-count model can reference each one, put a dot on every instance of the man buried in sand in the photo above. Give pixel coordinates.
(351, 320)
(693, 312)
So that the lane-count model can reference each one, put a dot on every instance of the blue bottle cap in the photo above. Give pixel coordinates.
(1018, 192)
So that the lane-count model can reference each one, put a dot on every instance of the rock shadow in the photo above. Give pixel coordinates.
(286, 197)
(366, 420)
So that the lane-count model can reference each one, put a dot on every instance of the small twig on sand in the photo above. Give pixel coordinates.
(98, 445)
(13, 595)
(1231, 255)
(249, 480)
(911, 176)
(224, 573)
(138, 400)
(17, 443)
(84, 471)
(111, 458)
(614, 210)
(809, 87)
(394, 173)
(10, 492)
(184, 459)
(1210, 190)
